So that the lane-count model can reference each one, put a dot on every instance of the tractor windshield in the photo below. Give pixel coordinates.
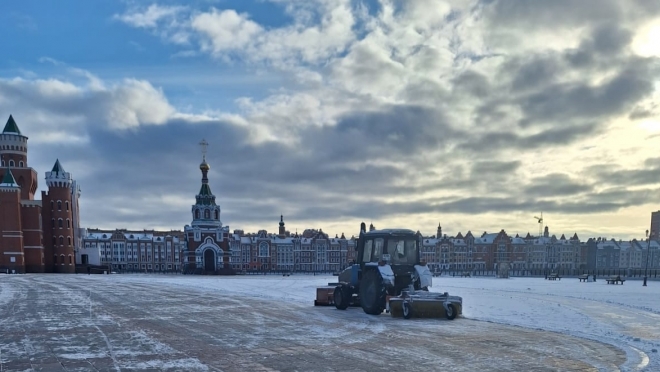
(402, 251)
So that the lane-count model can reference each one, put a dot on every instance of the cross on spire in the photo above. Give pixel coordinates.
(204, 146)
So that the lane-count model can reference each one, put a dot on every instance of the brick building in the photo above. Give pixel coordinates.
(35, 235)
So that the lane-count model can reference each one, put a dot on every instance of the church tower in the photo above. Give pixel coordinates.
(58, 221)
(207, 240)
(282, 230)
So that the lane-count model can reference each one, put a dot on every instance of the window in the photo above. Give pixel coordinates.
(52, 222)
(207, 214)
(68, 223)
(263, 249)
(216, 215)
(62, 241)
(366, 257)
(59, 222)
(197, 214)
(3, 163)
(69, 238)
(59, 206)
(62, 259)
(11, 163)
(20, 164)
(54, 242)
(70, 259)
(12, 259)
(67, 205)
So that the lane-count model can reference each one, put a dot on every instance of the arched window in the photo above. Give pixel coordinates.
(52, 205)
(62, 241)
(69, 238)
(263, 249)
(59, 222)
(3, 163)
(54, 243)
(67, 205)
(20, 164)
(11, 163)
(197, 214)
(62, 259)
(216, 215)
(52, 222)
(207, 214)
(59, 205)
(68, 223)
(55, 259)
(70, 260)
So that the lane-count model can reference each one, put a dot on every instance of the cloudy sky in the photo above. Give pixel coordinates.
(475, 114)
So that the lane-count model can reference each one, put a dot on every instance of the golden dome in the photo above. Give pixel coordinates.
(204, 166)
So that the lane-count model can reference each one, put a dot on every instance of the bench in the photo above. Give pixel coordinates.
(584, 277)
(465, 274)
(553, 276)
(615, 280)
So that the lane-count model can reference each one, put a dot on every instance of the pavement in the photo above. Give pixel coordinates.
(72, 323)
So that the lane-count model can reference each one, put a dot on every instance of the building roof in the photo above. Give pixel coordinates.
(8, 180)
(57, 168)
(11, 126)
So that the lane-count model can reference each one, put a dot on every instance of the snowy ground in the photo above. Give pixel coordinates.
(268, 323)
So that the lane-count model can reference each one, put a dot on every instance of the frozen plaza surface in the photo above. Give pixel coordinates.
(268, 323)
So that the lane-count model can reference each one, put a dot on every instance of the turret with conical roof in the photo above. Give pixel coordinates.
(282, 231)
(58, 177)
(9, 182)
(13, 146)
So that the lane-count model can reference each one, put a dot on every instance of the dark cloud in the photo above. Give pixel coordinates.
(612, 174)
(531, 14)
(487, 168)
(555, 184)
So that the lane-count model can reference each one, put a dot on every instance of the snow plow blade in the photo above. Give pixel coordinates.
(422, 304)
(325, 296)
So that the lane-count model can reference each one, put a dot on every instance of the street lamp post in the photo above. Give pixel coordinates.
(648, 251)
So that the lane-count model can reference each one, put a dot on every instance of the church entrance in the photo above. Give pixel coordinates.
(209, 260)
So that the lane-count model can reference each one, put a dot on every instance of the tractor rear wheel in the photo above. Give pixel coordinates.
(341, 298)
(372, 293)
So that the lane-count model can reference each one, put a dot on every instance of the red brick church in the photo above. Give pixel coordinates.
(36, 236)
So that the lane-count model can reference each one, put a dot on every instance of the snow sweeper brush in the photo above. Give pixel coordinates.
(423, 304)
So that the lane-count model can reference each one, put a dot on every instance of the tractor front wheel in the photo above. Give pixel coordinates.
(451, 312)
(372, 293)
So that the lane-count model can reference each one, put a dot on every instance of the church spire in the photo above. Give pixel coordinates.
(205, 211)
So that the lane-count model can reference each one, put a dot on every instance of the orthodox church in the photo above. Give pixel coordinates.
(36, 236)
(207, 240)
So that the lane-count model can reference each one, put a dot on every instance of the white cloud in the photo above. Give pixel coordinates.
(224, 30)
(149, 17)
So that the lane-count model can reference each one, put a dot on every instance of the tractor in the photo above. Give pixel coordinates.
(387, 262)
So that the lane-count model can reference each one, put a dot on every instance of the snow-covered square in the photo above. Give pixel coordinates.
(268, 323)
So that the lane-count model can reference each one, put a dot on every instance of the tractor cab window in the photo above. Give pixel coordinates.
(378, 250)
(366, 256)
(402, 251)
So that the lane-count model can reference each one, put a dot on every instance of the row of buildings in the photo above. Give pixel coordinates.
(45, 236)
(315, 251)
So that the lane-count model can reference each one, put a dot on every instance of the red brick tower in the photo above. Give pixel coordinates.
(11, 233)
(58, 222)
(13, 155)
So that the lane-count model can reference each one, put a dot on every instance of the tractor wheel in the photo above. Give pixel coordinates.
(341, 298)
(451, 312)
(372, 293)
(407, 310)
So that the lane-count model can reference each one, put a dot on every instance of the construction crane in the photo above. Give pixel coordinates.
(540, 220)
